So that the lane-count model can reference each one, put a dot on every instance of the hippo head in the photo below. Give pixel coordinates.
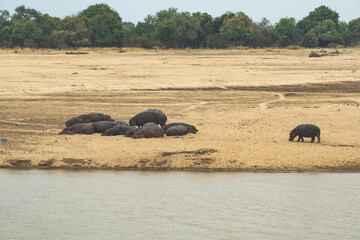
(191, 129)
(139, 134)
(108, 118)
(108, 132)
(73, 121)
(292, 136)
(68, 130)
(131, 132)
(132, 122)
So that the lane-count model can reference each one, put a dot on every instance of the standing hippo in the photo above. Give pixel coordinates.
(89, 118)
(102, 126)
(179, 130)
(118, 130)
(150, 115)
(78, 128)
(149, 132)
(305, 130)
(167, 126)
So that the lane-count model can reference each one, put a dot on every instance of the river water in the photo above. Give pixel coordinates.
(54, 204)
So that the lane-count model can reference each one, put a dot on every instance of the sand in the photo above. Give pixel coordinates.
(244, 103)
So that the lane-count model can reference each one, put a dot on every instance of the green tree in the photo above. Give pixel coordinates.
(206, 22)
(24, 14)
(71, 32)
(4, 29)
(174, 29)
(47, 24)
(238, 30)
(167, 33)
(129, 34)
(266, 36)
(105, 25)
(190, 30)
(164, 15)
(354, 32)
(59, 39)
(327, 32)
(219, 21)
(145, 33)
(310, 40)
(288, 33)
(207, 27)
(214, 39)
(317, 16)
(25, 33)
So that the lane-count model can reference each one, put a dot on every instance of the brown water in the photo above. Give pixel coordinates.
(39, 204)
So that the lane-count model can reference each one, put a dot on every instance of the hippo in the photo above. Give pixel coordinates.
(179, 130)
(131, 133)
(150, 124)
(150, 115)
(102, 126)
(193, 128)
(305, 130)
(89, 118)
(121, 123)
(118, 130)
(149, 132)
(79, 128)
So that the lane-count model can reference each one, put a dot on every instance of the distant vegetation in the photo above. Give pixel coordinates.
(101, 26)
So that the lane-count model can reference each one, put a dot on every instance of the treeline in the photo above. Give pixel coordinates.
(101, 26)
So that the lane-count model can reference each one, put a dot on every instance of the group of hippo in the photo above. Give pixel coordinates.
(147, 122)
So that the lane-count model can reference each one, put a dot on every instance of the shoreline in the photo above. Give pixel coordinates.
(203, 170)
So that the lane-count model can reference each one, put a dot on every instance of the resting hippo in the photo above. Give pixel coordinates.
(102, 126)
(149, 132)
(121, 123)
(79, 128)
(167, 126)
(131, 133)
(179, 130)
(305, 130)
(118, 130)
(150, 124)
(88, 118)
(150, 115)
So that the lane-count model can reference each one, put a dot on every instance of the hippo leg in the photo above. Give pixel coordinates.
(318, 137)
(312, 139)
(299, 138)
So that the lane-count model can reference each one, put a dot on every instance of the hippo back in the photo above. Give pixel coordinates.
(89, 118)
(149, 132)
(178, 130)
(79, 128)
(192, 127)
(102, 126)
(150, 115)
(118, 130)
(307, 130)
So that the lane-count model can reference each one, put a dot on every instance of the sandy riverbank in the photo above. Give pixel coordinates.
(244, 103)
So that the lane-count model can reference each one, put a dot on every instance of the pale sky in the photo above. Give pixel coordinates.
(137, 10)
